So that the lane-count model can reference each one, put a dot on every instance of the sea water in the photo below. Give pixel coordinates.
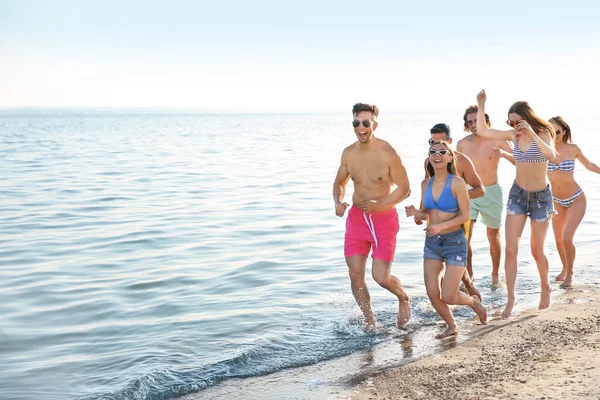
(156, 255)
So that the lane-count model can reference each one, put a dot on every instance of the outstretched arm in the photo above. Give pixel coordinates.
(586, 163)
(483, 130)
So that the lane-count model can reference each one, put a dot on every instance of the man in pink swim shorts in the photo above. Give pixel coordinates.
(372, 223)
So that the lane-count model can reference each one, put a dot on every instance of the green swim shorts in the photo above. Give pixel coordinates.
(489, 206)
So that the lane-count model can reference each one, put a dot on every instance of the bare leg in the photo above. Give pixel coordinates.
(381, 274)
(470, 285)
(574, 217)
(451, 294)
(513, 231)
(432, 273)
(470, 250)
(538, 237)
(467, 278)
(558, 225)
(493, 236)
(356, 269)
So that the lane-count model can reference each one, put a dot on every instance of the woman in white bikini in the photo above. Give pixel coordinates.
(569, 199)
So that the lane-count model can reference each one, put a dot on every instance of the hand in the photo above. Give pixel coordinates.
(433, 229)
(411, 211)
(340, 209)
(368, 206)
(524, 128)
(481, 98)
(497, 152)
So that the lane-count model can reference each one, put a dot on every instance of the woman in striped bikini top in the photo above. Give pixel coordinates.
(564, 166)
(532, 154)
(530, 195)
(569, 199)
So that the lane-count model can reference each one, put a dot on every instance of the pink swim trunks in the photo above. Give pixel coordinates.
(376, 229)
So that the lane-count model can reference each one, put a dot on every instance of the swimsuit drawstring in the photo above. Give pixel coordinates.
(371, 228)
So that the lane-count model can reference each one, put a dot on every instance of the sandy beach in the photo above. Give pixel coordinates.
(553, 354)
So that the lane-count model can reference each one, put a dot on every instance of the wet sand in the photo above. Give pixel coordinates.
(552, 354)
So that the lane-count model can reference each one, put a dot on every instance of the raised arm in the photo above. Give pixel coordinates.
(482, 129)
(466, 170)
(585, 162)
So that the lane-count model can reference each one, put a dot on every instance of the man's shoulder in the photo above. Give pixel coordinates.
(466, 140)
(461, 157)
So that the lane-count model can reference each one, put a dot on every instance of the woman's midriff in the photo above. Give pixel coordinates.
(438, 217)
(532, 176)
(563, 184)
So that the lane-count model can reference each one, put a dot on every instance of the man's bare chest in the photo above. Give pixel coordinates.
(369, 170)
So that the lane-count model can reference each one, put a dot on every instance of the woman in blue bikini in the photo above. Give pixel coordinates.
(530, 196)
(568, 197)
(445, 204)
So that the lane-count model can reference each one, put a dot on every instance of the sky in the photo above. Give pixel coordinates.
(308, 56)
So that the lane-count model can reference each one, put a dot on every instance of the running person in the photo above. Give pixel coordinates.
(569, 199)
(375, 167)
(445, 204)
(530, 195)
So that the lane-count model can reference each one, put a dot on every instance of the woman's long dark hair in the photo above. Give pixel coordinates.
(451, 166)
(526, 112)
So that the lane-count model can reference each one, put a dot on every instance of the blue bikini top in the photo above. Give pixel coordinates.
(446, 202)
(564, 165)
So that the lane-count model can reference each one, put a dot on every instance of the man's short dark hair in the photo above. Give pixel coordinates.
(441, 128)
(358, 107)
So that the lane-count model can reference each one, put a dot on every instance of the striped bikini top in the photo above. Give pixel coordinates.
(564, 166)
(533, 153)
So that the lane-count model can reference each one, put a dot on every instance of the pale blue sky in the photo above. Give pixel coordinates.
(304, 56)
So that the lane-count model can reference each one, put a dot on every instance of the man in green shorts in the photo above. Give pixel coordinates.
(485, 154)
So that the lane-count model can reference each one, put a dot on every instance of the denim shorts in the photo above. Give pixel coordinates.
(537, 205)
(449, 247)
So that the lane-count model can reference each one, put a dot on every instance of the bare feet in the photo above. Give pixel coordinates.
(495, 280)
(450, 331)
(403, 311)
(473, 292)
(508, 309)
(480, 310)
(545, 298)
(370, 327)
(561, 276)
(567, 282)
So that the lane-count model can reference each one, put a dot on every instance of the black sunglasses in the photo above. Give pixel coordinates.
(366, 123)
(431, 141)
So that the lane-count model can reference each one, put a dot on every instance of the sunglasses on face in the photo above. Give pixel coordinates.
(471, 122)
(512, 124)
(558, 132)
(366, 123)
(441, 152)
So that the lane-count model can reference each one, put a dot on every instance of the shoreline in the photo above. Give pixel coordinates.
(549, 354)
